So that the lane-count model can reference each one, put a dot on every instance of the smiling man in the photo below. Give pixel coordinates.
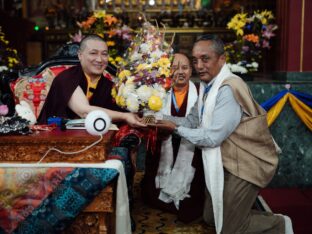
(238, 151)
(81, 89)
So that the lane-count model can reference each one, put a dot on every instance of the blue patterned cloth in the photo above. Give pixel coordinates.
(73, 194)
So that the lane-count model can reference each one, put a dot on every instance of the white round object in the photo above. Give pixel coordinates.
(97, 122)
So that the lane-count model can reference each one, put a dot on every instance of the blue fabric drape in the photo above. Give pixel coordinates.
(300, 102)
(305, 98)
(267, 105)
(74, 193)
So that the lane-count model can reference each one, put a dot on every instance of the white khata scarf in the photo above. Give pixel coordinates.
(175, 180)
(212, 158)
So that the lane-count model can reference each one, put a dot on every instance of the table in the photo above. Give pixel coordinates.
(31, 148)
(99, 216)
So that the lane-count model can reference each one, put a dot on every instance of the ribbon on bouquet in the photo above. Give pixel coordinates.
(151, 139)
(122, 137)
(123, 134)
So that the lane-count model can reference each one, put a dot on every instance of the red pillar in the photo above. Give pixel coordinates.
(294, 53)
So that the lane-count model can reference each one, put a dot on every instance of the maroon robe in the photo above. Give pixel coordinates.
(62, 88)
(189, 208)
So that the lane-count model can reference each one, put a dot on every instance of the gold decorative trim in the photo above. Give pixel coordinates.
(302, 36)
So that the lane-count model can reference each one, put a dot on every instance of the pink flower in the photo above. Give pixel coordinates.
(245, 48)
(268, 32)
(77, 37)
(126, 36)
(118, 32)
(266, 44)
(4, 110)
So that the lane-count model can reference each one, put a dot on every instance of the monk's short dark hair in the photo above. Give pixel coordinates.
(92, 37)
(217, 43)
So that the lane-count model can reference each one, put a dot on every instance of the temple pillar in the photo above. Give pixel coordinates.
(294, 47)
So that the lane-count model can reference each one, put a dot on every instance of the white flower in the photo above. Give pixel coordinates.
(128, 89)
(3, 68)
(155, 55)
(159, 91)
(252, 66)
(144, 48)
(120, 90)
(255, 65)
(130, 80)
(135, 56)
(237, 68)
(144, 92)
(132, 103)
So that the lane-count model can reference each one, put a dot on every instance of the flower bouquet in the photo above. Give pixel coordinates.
(8, 56)
(144, 77)
(254, 36)
(9, 64)
(117, 35)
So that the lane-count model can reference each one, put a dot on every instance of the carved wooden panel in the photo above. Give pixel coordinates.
(99, 215)
(33, 147)
(26, 153)
(104, 202)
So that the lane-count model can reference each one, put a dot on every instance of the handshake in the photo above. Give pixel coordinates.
(164, 127)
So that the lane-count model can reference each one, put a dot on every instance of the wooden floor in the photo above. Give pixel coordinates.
(152, 221)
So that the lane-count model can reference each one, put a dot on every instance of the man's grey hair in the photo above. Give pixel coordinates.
(93, 37)
(217, 43)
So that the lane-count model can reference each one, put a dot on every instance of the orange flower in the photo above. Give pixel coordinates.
(252, 37)
(109, 19)
(111, 33)
(87, 24)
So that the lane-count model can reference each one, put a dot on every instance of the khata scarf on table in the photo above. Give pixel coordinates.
(175, 180)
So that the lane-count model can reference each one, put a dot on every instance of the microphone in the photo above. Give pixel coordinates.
(97, 122)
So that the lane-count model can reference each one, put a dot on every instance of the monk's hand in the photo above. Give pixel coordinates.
(134, 120)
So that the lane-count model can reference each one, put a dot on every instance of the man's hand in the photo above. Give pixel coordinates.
(164, 128)
(134, 120)
(166, 125)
